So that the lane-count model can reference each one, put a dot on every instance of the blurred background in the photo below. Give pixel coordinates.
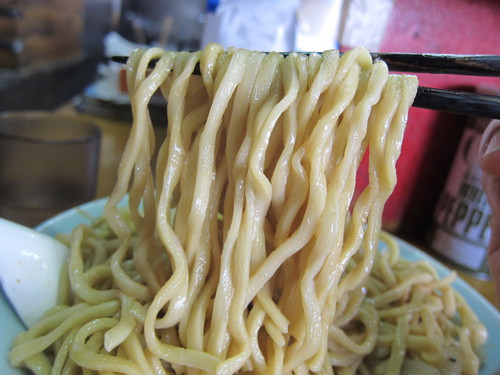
(54, 54)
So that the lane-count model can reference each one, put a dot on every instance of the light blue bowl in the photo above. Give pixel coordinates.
(10, 325)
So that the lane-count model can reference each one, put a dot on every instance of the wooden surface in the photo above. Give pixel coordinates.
(115, 134)
(39, 32)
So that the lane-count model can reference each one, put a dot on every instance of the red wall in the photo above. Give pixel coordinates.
(434, 26)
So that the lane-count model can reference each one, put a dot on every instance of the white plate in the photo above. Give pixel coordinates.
(65, 222)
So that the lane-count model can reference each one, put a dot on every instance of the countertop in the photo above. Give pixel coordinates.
(114, 137)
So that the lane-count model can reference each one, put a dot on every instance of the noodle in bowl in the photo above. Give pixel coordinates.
(244, 250)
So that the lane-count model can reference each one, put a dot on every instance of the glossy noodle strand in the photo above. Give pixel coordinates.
(246, 246)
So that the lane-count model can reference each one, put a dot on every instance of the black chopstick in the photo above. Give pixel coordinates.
(471, 65)
(463, 103)
(458, 102)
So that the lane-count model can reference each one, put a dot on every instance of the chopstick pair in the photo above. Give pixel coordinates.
(458, 102)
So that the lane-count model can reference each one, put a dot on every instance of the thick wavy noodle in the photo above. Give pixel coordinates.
(242, 248)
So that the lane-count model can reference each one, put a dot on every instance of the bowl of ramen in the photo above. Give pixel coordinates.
(241, 247)
(64, 224)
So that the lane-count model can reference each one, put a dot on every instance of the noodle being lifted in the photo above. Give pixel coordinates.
(242, 249)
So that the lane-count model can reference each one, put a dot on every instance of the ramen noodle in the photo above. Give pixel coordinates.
(243, 249)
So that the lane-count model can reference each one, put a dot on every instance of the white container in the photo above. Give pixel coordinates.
(461, 231)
